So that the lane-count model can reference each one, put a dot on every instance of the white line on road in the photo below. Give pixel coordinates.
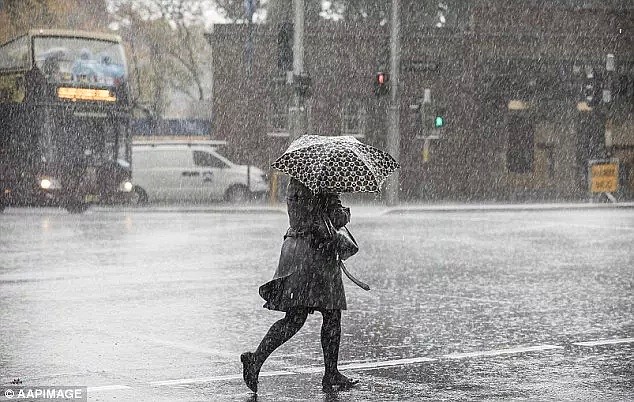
(593, 227)
(366, 365)
(298, 370)
(475, 299)
(604, 342)
(385, 363)
(108, 388)
(196, 380)
(498, 352)
(216, 378)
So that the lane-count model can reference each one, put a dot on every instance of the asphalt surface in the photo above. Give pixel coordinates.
(478, 302)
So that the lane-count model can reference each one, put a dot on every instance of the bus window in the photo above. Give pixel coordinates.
(76, 60)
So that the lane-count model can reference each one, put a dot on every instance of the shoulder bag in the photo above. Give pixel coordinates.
(346, 247)
(345, 243)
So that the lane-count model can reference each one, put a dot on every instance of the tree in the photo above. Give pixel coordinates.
(368, 11)
(18, 16)
(169, 55)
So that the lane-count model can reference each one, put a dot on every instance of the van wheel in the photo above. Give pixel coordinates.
(77, 207)
(138, 197)
(237, 194)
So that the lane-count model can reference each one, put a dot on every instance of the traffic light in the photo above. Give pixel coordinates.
(591, 88)
(381, 84)
(590, 94)
(439, 120)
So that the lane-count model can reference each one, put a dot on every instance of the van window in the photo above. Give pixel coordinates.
(208, 160)
(162, 158)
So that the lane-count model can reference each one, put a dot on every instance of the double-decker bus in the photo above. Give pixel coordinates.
(64, 120)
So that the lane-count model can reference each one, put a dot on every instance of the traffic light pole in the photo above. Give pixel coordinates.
(298, 109)
(393, 135)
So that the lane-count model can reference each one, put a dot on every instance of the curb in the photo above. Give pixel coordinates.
(378, 209)
(503, 208)
(190, 209)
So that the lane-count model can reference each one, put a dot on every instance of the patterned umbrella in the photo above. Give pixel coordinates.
(336, 164)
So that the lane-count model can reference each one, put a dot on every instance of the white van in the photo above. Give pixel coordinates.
(191, 172)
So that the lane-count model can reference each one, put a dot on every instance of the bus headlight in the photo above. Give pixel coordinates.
(126, 186)
(49, 183)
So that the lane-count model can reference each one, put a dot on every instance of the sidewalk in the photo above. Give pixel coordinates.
(409, 208)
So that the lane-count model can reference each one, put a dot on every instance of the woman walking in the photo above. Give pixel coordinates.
(307, 279)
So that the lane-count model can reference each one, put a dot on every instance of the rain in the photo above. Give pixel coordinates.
(170, 167)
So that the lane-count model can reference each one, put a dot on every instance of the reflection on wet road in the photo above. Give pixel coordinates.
(464, 305)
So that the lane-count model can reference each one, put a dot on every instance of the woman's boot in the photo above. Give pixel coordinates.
(280, 332)
(250, 370)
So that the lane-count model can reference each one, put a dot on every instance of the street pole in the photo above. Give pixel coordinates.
(607, 99)
(393, 135)
(298, 108)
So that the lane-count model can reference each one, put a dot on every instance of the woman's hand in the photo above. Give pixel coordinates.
(339, 215)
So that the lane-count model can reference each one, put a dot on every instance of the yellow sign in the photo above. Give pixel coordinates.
(604, 177)
(85, 94)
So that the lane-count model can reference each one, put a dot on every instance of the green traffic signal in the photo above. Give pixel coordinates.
(439, 121)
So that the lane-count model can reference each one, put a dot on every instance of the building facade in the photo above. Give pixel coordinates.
(518, 85)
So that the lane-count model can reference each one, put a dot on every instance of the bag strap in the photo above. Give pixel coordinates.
(330, 228)
(356, 281)
(350, 235)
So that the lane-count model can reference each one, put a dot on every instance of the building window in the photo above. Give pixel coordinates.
(354, 118)
(521, 145)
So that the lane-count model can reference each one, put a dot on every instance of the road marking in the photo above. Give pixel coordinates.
(498, 352)
(297, 370)
(216, 378)
(593, 227)
(108, 388)
(385, 363)
(366, 365)
(475, 299)
(604, 342)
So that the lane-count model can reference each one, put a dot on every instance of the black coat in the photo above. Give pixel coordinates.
(308, 274)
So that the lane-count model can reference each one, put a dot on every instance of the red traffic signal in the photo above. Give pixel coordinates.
(381, 83)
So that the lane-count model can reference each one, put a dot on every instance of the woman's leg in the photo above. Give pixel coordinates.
(280, 332)
(330, 341)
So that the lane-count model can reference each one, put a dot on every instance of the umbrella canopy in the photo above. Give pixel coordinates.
(340, 164)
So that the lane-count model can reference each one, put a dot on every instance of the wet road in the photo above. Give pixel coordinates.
(149, 305)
